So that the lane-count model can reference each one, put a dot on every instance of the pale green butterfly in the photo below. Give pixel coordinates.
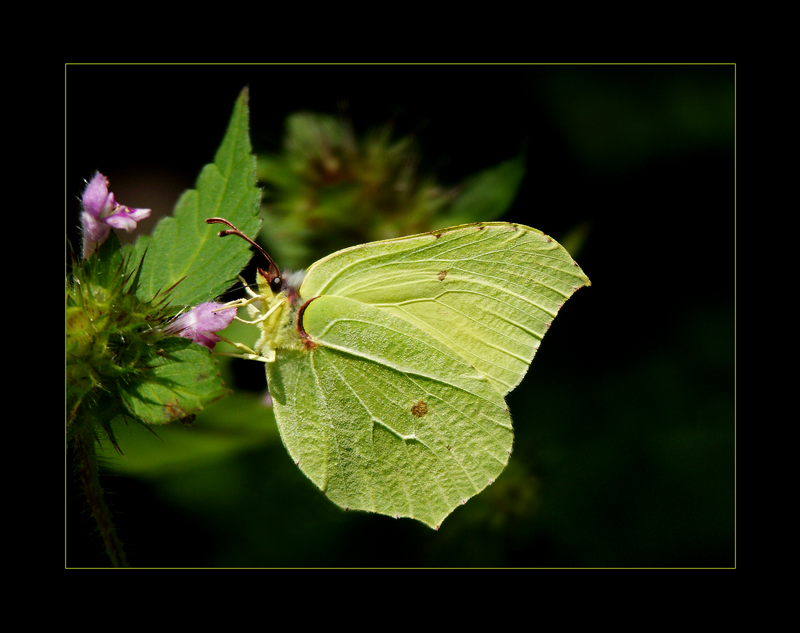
(389, 363)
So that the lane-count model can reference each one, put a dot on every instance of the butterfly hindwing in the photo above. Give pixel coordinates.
(386, 418)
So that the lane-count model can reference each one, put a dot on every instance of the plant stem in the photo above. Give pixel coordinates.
(86, 460)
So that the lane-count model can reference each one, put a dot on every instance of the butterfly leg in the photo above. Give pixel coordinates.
(249, 353)
(240, 303)
(247, 288)
(261, 318)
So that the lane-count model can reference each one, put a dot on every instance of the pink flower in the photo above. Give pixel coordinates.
(101, 212)
(200, 323)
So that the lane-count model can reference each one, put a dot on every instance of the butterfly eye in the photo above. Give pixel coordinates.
(276, 284)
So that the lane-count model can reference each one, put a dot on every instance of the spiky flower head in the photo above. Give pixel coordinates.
(109, 332)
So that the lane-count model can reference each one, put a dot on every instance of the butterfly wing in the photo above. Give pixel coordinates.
(385, 417)
(395, 402)
(488, 291)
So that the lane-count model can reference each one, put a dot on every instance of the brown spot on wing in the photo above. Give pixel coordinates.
(419, 409)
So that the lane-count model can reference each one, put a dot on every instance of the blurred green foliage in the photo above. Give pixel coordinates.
(329, 190)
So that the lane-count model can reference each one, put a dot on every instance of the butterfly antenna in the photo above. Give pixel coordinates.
(273, 267)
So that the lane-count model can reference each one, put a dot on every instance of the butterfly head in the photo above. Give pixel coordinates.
(272, 275)
(277, 282)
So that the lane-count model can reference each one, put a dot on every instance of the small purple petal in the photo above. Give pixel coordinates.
(200, 323)
(126, 218)
(206, 339)
(95, 196)
(94, 233)
(138, 214)
(121, 221)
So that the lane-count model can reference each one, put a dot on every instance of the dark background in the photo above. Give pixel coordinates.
(625, 438)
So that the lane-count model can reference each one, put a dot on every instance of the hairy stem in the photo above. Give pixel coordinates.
(86, 460)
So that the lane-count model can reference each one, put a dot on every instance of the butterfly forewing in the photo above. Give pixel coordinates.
(486, 291)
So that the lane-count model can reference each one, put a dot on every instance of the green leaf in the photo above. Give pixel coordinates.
(488, 194)
(181, 378)
(239, 423)
(183, 247)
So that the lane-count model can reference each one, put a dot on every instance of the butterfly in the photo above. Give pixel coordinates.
(388, 362)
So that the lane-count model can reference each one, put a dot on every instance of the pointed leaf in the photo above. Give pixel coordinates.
(184, 246)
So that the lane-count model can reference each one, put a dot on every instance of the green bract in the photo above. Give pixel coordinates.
(389, 365)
